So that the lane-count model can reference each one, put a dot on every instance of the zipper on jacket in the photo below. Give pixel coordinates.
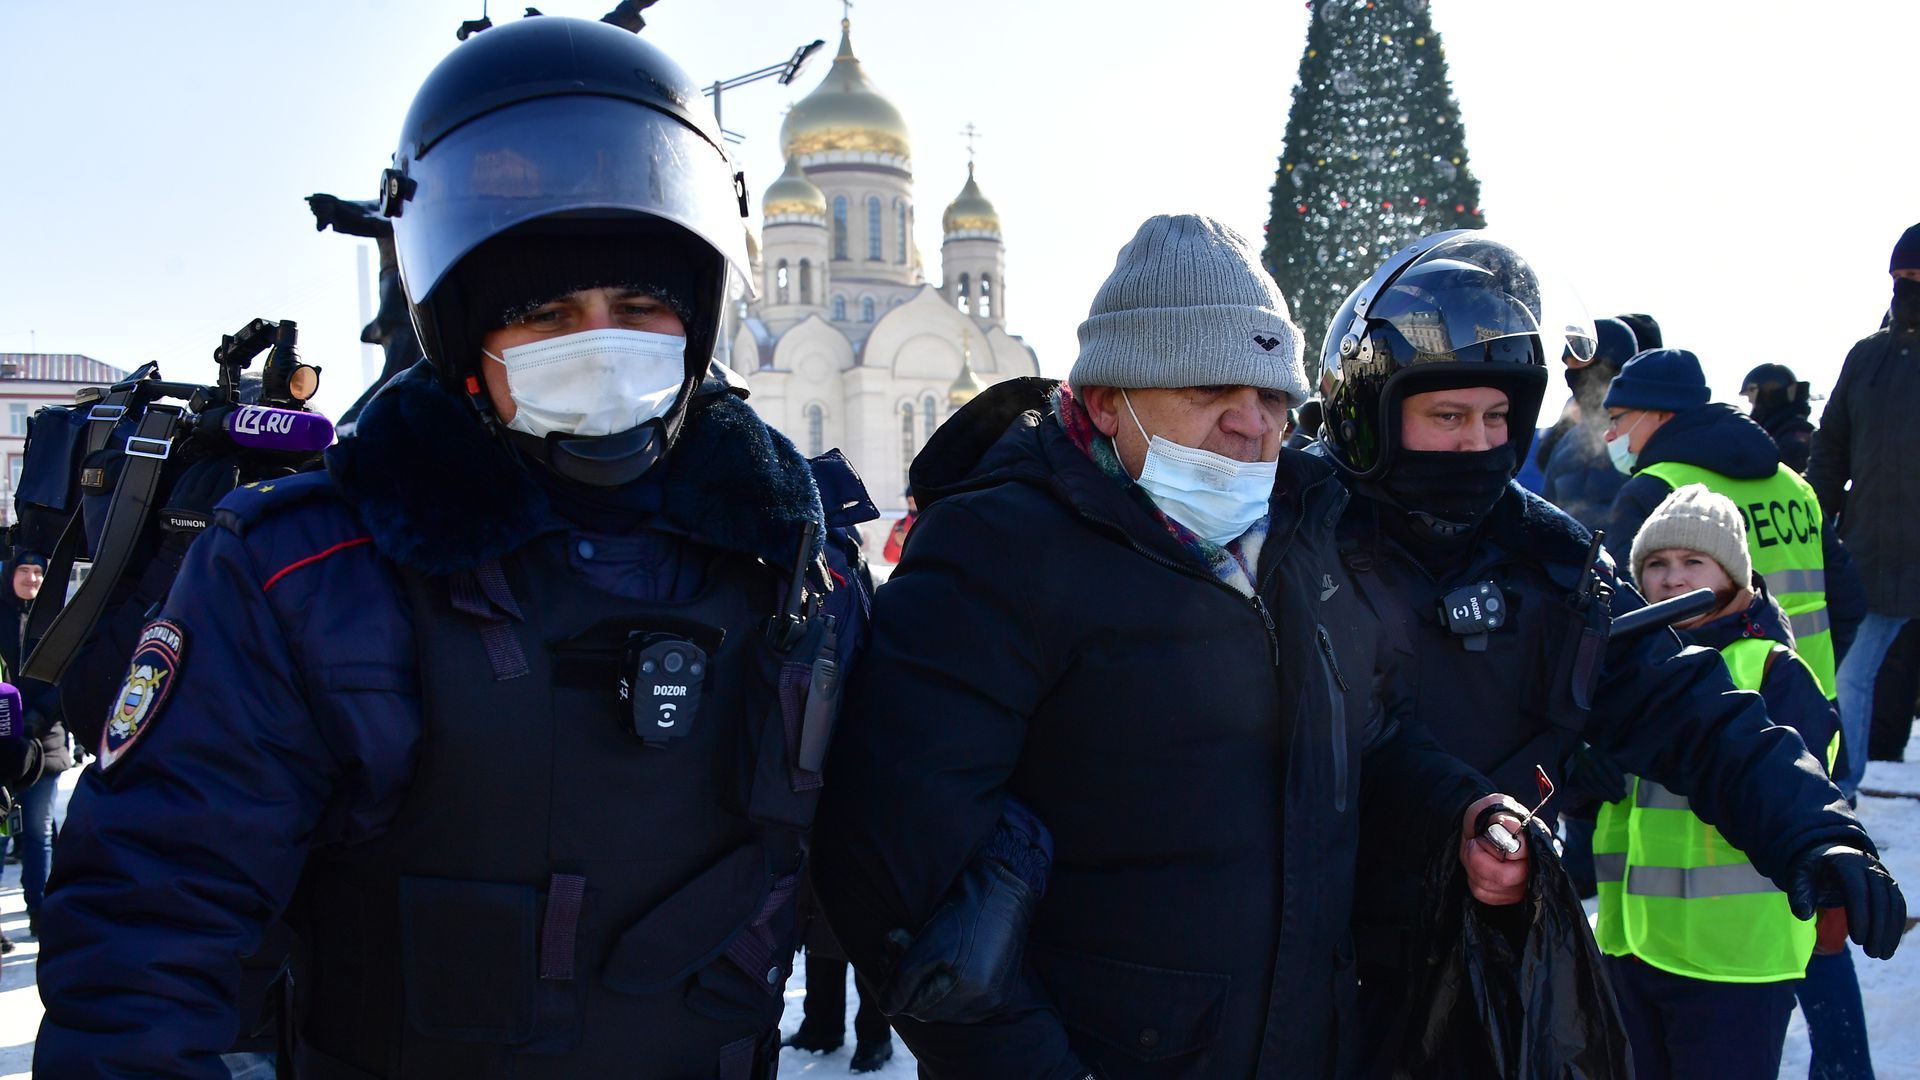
(1337, 712)
(1273, 632)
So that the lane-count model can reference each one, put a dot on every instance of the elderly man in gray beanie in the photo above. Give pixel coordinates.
(1094, 798)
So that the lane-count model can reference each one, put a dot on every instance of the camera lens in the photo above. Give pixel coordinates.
(674, 662)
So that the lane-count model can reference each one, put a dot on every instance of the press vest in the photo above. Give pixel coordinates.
(557, 898)
(1783, 537)
(1674, 893)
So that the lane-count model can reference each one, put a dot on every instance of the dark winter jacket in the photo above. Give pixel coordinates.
(1660, 711)
(1793, 696)
(292, 726)
(1581, 478)
(1196, 754)
(1712, 436)
(54, 752)
(1868, 436)
(1792, 431)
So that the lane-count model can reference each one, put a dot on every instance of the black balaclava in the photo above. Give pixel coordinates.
(1906, 306)
(1444, 494)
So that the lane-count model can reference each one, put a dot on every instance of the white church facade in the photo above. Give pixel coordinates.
(848, 345)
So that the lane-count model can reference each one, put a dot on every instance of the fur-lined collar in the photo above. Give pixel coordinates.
(440, 495)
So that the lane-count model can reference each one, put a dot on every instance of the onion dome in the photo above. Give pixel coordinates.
(965, 386)
(970, 214)
(845, 116)
(793, 196)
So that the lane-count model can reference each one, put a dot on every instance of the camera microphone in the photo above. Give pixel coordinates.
(262, 427)
(13, 714)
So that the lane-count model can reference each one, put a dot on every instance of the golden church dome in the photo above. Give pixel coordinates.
(793, 195)
(970, 212)
(845, 113)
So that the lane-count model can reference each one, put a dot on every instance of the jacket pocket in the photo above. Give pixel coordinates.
(1146, 1013)
(1336, 716)
(469, 959)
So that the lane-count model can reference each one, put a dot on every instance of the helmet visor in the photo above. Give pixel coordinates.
(1470, 290)
(576, 155)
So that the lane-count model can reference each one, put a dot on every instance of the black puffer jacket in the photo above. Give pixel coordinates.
(1868, 435)
(1196, 754)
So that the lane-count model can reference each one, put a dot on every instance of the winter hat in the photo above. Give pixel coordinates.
(1699, 519)
(1187, 304)
(1614, 346)
(1646, 331)
(1663, 380)
(1906, 253)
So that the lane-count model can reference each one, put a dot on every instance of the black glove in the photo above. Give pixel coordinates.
(1592, 776)
(1834, 876)
(965, 964)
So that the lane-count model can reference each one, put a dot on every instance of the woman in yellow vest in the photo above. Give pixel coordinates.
(1703, 951)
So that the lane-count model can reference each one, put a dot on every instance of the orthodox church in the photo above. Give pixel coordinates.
(848, 344)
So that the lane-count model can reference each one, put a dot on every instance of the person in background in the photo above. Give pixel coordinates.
(34, 844)
(1579, 478)
(1781, 403)
(1862, 469)
(1646, 332)
(897, 536)
(1706, 982)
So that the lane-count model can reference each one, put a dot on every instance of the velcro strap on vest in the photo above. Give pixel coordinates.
(560, 931)
(482, 593)
(752, 950)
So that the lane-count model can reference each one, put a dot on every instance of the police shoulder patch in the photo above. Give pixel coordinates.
(150, 678)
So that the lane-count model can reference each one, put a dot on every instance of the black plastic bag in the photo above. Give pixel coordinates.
(1516, 992)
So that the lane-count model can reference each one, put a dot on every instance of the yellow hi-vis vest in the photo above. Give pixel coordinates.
(1674, 893)
(1783, 537)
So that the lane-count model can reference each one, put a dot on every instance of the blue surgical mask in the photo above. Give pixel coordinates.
(1623, 458)
(1216, 497)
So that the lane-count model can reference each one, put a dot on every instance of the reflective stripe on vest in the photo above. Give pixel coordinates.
(1784, 524)
(1674, 893)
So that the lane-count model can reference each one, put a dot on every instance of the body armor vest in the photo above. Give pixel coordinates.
(559, 897)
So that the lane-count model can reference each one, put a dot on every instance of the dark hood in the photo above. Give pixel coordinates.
(1006, 435)
(1716, 437)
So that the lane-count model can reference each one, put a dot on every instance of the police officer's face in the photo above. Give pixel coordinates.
(1672, 572)
(588, 309)
(1244, 423)
(1462, 421)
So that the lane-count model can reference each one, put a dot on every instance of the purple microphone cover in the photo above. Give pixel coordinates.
(13, 715)
(265, 428)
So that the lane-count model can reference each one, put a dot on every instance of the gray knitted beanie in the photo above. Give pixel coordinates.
(1188, 304)
(1699, 519)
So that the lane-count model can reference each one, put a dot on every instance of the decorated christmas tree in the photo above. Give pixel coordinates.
(1375, 158)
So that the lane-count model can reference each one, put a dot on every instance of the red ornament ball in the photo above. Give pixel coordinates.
(1384, 205)
(1301, 207)
(1459, 208)
(1343, 204)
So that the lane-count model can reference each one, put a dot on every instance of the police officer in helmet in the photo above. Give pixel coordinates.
(1485, 589)
(516, 709)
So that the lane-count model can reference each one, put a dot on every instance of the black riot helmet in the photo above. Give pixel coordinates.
(1452, 310)
(553, 131)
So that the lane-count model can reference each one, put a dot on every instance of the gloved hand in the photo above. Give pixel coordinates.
(1592, 776)
(1833, 875)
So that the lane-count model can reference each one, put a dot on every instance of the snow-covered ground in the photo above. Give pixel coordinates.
(1891, 989)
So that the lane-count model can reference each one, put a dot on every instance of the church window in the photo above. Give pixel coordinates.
(900, 245)
(960, 298)
(873, 228)
(806, 281)
(932, 415)
(866, 309)
(816, 430)
(839, 226)
(839, 308)
(986, 296)
(780, 282)
(906, 438)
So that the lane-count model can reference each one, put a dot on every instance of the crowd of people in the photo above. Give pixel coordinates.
(535, 733)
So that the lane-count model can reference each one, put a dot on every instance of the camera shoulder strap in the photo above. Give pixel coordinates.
(133, 502)
(101, 420)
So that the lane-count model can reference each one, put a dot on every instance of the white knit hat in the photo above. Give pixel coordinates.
(1699, 519)
(1188, 304)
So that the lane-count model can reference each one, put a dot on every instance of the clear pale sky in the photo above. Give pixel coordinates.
(1739, 171)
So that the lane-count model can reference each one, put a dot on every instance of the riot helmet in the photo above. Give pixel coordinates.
(1454, 309)
(584, 143)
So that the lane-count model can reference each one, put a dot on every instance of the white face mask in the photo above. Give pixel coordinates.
(596, 382)
(1212, 494)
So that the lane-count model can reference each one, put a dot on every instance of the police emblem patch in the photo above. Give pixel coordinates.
(150, 678)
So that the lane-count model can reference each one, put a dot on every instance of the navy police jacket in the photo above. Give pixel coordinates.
(273, 712)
